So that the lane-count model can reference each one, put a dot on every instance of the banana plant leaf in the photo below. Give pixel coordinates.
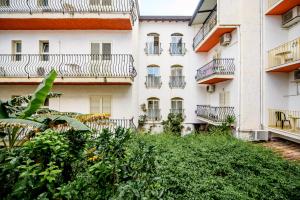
(40, 95)
(11, 122)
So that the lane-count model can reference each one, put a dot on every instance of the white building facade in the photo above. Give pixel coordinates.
(110, 59)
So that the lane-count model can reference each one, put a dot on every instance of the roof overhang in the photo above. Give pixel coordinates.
(203, 10)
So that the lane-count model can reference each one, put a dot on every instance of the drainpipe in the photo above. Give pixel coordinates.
(239, 78)
(261, 65)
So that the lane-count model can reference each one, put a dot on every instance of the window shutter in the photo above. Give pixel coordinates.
(106, 48)
(95, 48)
(222, 99)
(106, 105)
(227, 98)
(95, 105)
(106, 2)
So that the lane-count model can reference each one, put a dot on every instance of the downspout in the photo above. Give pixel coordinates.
(239, 79)
(261, 66)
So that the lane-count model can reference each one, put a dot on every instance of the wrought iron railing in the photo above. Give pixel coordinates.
(69, 6)
(153, 115)
(153, 82)
(224, 66)
(210, 23)
(67, 65)
(285, 53)
(153, 48)
(215, 114)
(177, 49)
(177, 111)
(177, 82)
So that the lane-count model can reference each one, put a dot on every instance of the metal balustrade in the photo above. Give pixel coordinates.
(285, 53)
(177, 111)
(69, 6)
(177, 49)
(153, 115)
(215, 114)
(177, 82)
(67, 65)
(210, 23)
(153, 48)
(153, 82)
(224, 66)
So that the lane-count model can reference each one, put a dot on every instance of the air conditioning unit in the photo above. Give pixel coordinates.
(291, 17)
(211, 88)
(225, 39)
(259, 135)
(297, 75)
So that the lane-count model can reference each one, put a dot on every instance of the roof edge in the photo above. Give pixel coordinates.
(196, 11)
(165, 18)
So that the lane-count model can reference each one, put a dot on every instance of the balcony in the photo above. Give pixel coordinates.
(218, 70)
(153, 115)
(177, 82)
(153, 82)
(67, 15)
(72, 69)
(279, 7)
(177, 49)
(177, 112)
(285, 124)
(214, 115)
(153, 48)
(210, 33)
(285, 58)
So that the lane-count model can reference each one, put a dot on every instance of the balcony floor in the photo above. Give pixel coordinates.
(282, 7)
(213, 38)
(289, 67)
(209, 121)
(285, 133)
(216, 79)
(68, 81)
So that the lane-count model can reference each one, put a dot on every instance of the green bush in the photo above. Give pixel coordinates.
(173, 124)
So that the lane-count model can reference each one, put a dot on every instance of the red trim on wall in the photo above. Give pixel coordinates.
(65, 24)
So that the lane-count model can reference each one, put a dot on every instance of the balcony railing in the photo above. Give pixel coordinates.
(69, 6)
(177, 111)
(271, 3)
(285, 53)
(224, 66)
(177, 49)
(210, 23)
(215, 114)
(177, 82)
(153, 48)
(67, 65)
(284, 119)
(153, 115)
(153, 82)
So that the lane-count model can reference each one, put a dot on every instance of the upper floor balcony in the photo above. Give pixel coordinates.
(210, 32)
(177, 49)
(218, 70)
(177, 82)
(153, 82)
(284, 58)
(279, 7)
(72, 69)
(214, 115)
(67, 14)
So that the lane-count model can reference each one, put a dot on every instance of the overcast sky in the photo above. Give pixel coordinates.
(168, 7)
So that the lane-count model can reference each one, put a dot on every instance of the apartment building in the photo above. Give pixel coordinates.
(229, 58)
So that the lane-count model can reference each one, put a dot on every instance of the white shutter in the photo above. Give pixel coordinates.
(106, 105)
(222, 99)
(227, 98)
(100, 104)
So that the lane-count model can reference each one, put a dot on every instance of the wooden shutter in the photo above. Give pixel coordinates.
(100, 104)
(106, 51)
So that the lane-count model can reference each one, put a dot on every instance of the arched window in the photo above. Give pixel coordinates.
(177, 45)
(153, 109)
(153, 79)
(176, 70)
(177, 105)
(176, 37)
(153, 44)
(153, 70)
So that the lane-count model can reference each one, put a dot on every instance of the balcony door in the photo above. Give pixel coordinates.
(100, 104)
(153, 78)
(101, 57)
(153, 109)
(177, 105)
(17, 50)
(176, 71)
(176, 43)
(153, 43)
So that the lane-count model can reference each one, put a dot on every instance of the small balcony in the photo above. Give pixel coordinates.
(177, 112)
(72, 69)
(153, 82)
(177, 82)
(285, 124)
(279, 7)
(214, 115)
(210, 33)
(177, 49)
(218, 70)
(153, 48)
(285, 58)
(153, 115)
(67, 15)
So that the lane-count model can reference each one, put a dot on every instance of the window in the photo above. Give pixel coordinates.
(44, 50)
(153, 79)
(43, 3)
(106, 51)
(176, 70)
(106, 2)
(153, 109)
(4, 3)
(177, 105)
(17, 50)
(224, 99)
(98, 48)
(153, 44)
(177, 78)
(100, 2)
(176, 46)
(100, 104)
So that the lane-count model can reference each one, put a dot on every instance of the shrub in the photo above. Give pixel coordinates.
(173, 124)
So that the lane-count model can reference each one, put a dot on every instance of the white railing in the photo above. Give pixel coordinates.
(276, 116)
(285, 53)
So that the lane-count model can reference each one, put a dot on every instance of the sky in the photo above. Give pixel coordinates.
(168, 7)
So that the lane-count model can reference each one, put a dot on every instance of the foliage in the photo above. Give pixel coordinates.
(225, 128)
(173, 124)
(142, 120)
